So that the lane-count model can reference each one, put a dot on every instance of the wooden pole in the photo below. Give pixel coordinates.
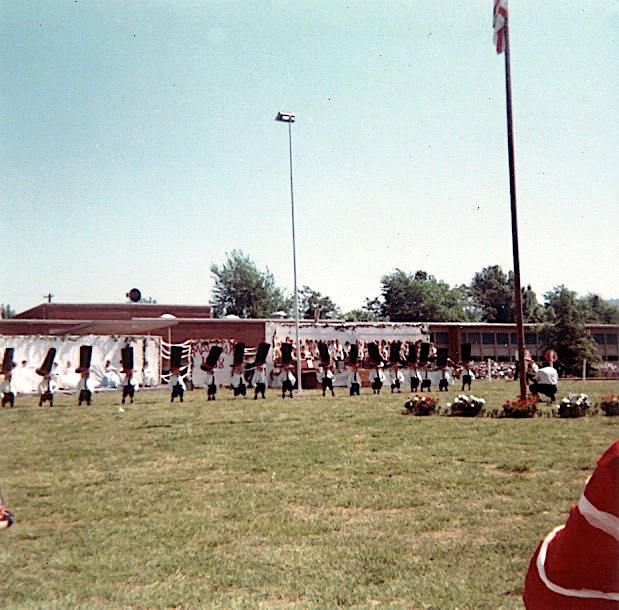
(514, 215)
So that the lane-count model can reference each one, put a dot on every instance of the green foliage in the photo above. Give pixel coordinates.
(598, 311)
(310, 301)
(565, 331)
(240, 504)
(492, 292)
(243, 290)
(6, 312)
(421, 298)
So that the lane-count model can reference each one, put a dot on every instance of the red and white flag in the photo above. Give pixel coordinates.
(499, 24)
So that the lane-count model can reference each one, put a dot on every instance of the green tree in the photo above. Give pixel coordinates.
(6, 312)
(598, 311)
(370, 312)
(565, 330)
(242, 289)
(420, 297)
(310, 301)
(492, 294)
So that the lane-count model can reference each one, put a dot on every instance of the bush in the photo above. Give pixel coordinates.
(609, 405)
(526, 407)
(420, 405)
(466, 406)
(574, 405)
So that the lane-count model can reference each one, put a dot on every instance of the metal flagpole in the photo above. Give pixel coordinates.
(288, 117)
(514, 214)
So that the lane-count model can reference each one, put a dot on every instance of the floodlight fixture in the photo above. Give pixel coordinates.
(285, 117)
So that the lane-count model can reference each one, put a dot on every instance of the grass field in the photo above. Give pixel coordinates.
(311, 502)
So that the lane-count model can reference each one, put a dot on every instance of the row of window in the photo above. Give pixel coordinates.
(505, 339)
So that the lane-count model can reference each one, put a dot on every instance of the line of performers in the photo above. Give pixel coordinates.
(417, 359)
(48, 386)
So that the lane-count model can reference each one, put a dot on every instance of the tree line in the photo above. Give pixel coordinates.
(242, 289)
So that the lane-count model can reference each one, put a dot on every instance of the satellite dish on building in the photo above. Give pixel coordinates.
(134, 295)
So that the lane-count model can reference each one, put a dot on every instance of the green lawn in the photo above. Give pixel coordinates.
(311, 502)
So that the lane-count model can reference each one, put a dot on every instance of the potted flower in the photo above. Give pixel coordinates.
(466, 406)
(420, 405)
(609, 405)
(574, 405)
(520, 407)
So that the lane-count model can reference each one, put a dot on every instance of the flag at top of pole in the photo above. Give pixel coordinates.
(499, 24)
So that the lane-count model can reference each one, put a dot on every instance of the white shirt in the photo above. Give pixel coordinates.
(354, 377)
(326, 373)
(396, 376)
(129, 380)
(176, 380)
(377, 375)
(548, 375)
(286, 375)
(85, 384)
(44, 388)
(237, 380)
(7, 386)
(259, 377)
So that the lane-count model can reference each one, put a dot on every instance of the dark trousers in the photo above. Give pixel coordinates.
(327, 384)
(466, 380)
(547, 389)
(8, 398)
(286, 387)
(354, 389)
(128, 392)
(241, 390)
(211, 390)
(46, 397)
(395, 386)
(177, 390)
(414, 384)
(85, 396)
(261, 388)
(377, 384)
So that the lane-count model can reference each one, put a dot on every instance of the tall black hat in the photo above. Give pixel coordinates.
(212, 358)
(465, 352)
(323, 350)
(262, 352)
(286, 353)
(239, 354)
(353, 354)
(126, 357)
(411, 357)
(442, 355)
(424, 352)
(394, 352)
(374, 353)
(85, 357)
(7, 362)
(46, 367)
(176, 357)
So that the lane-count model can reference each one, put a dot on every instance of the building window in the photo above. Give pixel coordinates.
(612, 358)
(530, 339)
(441, 338)
(598, 338)
(474, 338)
(502, 338)
(487, 338)
(514, 338)
(611, 339)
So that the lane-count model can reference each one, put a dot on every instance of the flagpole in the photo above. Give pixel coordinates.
(514, 215)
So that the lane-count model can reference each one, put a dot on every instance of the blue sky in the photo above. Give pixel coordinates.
(139, 145)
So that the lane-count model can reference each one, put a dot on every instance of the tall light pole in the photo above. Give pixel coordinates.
(288, 117)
